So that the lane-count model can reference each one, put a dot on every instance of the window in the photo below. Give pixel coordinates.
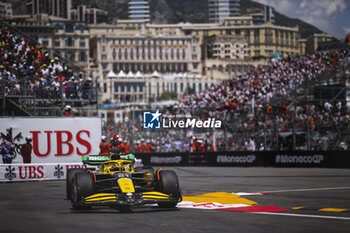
(149, 89)
(82, 56)
(69, 41)
(82, 43)
(45, 42)
(115, 87)
(105, 87)
(69, 27)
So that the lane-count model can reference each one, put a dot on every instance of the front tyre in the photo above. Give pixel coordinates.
(169, 184)
(84, 185)
(70, 179)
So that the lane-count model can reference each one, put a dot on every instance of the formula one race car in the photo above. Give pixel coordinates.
(117, 183)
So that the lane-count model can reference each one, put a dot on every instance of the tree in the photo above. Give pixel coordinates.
(190, 91)
(168, 95)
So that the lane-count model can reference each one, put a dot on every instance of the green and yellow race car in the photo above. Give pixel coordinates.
(117, 183)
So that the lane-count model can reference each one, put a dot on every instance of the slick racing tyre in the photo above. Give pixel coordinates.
(84, 185)
(70, 179)
(169, 184)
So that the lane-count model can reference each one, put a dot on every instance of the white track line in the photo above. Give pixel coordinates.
(303, 190)
(303, 215)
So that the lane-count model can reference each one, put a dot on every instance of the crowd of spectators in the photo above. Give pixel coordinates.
(248, 103)
(26, 68)
(280, 78)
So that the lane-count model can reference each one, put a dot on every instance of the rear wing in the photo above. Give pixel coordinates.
(95, 159)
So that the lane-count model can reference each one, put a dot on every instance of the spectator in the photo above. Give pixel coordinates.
(178, 145)
(104, 148)
(26, 150)
(68, 110)
(7, 150)
(251, 145)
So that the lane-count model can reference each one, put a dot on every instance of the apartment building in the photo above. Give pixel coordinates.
(88, 15)
(68, 39)
(219, 10)
(139, 10)
(54, 8)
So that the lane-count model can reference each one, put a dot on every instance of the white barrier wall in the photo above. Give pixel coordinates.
(37, 171)
(56, 140)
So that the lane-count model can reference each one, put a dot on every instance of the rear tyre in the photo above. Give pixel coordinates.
(70, 179)
(84, 185)
(169, 184)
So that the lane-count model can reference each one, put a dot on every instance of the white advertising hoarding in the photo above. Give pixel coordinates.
(56, 140)
(35, 171)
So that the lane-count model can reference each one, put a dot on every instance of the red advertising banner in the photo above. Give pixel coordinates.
(54, 140)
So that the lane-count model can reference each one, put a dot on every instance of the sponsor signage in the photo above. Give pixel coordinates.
(235, 159)
(164, 159)
(28, 172)
(301, 159)
(157, 120)
(331, 159)
(63, 140)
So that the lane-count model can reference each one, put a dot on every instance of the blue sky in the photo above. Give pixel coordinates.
(332, 16)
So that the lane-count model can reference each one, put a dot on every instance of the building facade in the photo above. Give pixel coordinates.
(67, 39)
(57, 8)
(226, 47)
(139, 10)
(5, 10)
(263, 39)
(147, 88)
(314, 40)
(136, 49)
(88, 15)
(219, 10)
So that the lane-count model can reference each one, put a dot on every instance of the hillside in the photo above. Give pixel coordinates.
(174, 11)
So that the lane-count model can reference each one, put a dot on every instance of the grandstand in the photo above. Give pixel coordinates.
(299, 103)
(36, 81)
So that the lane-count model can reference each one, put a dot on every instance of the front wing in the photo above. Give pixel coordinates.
(136, 199)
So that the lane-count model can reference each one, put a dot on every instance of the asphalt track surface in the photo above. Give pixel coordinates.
(42, 207)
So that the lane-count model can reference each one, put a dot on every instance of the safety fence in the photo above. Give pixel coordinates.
(321, 159)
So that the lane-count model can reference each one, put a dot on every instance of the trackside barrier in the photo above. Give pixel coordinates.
(325, 159)
(35, 171)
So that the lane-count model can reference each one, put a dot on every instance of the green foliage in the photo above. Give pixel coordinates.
(258, 57)
(190, 91)
(168, 95)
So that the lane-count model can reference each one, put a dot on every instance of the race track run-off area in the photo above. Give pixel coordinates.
(215, 199)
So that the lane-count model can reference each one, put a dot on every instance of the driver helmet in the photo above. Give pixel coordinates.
(29, 138)
(116, 136)
(120, 140)
(103, 138)
(68, 108)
